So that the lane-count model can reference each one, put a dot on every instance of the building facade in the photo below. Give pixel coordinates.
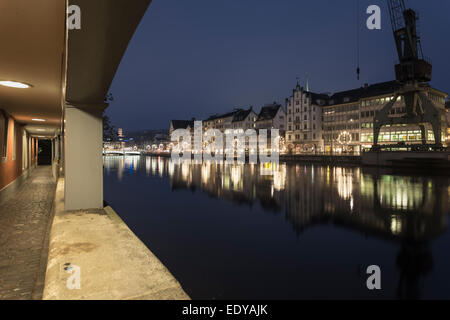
(341, 123)
(272, 117)
(304, 121)
(349, 115)
(447, 113)
(244, 120)
(221, 122)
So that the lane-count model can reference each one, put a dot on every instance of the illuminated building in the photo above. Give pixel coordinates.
(348, 118)
(304, 120)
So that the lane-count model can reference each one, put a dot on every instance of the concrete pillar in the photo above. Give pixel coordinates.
(83, 159)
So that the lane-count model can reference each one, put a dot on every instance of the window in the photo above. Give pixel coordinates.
(305, 136)
(306, 117)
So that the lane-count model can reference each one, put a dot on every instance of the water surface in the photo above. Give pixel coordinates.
(305, 232)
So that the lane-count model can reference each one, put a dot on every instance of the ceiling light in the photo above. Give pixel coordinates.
(41, 130)
(39, 120)
(14, 84)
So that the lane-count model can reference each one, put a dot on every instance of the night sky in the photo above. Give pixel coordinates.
(199, 57)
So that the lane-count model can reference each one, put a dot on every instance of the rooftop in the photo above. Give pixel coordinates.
(241, 115)
(182, 124)
(268, 112)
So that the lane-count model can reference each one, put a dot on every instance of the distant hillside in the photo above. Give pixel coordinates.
(146, 133)
(145, 137)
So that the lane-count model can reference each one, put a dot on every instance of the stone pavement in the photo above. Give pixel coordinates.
(95, 256)
(25, 220)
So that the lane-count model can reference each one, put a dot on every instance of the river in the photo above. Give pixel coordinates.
(304, 232)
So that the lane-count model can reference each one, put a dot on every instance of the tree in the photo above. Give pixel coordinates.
(109, 131)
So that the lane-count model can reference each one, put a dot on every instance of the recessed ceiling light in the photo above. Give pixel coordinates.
(39, 120)
(41, 130)
(14, 84)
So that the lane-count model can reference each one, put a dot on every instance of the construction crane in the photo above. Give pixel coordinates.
(413, 73)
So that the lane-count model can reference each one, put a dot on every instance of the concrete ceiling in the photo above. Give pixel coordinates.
(32, 37)
(33, 49)
(95, 51)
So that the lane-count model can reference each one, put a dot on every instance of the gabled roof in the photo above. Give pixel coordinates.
(241, 115)
(269, 112)
(182, 124)
(225, 115)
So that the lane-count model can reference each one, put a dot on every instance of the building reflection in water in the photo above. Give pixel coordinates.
(407, 210)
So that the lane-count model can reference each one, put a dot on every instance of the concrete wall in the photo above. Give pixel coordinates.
(83, 160)
(387, 158)
(11, 166)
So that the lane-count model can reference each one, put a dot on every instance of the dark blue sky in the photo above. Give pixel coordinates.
(199, 57)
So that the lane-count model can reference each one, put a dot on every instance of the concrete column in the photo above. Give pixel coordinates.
(83, 159)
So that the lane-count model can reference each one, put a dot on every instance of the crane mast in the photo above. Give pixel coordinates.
(413, 73)
(412, 65)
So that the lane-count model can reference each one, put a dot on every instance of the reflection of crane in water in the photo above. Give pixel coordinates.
(406, 210)
(416, 225)
(413, 72)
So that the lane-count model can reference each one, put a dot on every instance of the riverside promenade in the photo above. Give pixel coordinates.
(111, 262)
(39, 240)
(25, 218)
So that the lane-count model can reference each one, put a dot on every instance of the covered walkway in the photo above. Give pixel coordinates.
(25, 219)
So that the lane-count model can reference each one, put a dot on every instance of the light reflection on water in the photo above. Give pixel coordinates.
(409, 211)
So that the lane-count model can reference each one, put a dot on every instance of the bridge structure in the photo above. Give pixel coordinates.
(121, 153)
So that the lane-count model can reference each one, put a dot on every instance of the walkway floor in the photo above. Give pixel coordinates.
(24, 229)
(93, 255)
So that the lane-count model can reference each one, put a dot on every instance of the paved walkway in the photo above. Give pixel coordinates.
(24, 230)
(95, 256)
